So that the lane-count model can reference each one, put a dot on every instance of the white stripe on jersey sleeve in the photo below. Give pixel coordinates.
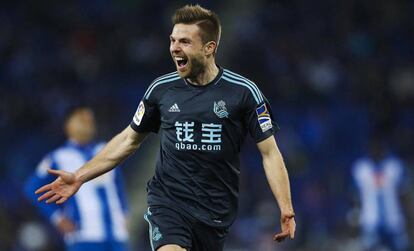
(245, 80)
(258, 100)
(163, 79)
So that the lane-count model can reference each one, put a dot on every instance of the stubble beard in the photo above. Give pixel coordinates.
(197, 67)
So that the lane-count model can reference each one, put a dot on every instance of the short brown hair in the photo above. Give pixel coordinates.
(206, 20)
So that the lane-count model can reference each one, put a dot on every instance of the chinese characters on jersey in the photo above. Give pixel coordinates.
(210, 136)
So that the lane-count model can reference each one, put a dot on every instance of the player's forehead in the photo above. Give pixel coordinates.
(191, 31)
(81, 113)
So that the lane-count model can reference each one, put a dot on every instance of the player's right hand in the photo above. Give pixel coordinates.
(61, 189)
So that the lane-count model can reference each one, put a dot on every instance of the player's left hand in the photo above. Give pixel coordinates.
(288, 224)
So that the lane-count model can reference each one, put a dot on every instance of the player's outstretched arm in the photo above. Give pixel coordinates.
(116, 151)
(278, 179)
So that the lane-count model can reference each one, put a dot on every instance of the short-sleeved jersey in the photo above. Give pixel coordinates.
(202, 129)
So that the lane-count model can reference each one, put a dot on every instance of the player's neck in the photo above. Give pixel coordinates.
(206, 76)
(78, 142)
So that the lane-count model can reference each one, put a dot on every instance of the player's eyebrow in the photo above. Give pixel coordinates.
(182, 39)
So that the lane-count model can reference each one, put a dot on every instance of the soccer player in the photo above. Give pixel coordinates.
(379, 178)
(95, 218)
(203, 113)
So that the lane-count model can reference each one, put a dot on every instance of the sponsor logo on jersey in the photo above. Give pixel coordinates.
(174, 108)
(263, 117)
(139, 113)
(220, 109)
(186, 139)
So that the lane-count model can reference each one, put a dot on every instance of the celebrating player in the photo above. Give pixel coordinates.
(202, 113)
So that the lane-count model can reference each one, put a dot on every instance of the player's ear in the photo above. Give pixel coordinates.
(210, 48)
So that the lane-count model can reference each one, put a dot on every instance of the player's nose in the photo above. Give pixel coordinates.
(174, 47)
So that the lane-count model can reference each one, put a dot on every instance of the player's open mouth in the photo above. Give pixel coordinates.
(181, 62)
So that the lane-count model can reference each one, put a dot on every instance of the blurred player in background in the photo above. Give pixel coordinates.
(203, 113)
(95, 218)
(379, 178)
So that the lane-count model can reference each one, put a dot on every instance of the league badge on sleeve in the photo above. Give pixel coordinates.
(263, 116)
(139, 113)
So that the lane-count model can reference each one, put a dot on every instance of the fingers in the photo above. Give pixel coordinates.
(53, 199)
(59, 190)
(55, 172)
(280, 237)
(47, 187)
(292, 233)
(289, 227)
(43, 189)
(46, 196)
(63, 199)
(65, 176)
(292, 228)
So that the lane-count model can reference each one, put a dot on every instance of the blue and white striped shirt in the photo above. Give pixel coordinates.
(98, 209)
(379, 186)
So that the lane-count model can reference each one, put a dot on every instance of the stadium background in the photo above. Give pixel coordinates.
(336, 73)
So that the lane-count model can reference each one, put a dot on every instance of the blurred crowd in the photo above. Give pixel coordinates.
(337, 73)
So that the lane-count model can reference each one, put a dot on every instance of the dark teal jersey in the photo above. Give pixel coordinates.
(202, 129)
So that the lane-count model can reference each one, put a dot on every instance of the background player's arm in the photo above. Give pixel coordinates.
(116, 151)
(278, 179)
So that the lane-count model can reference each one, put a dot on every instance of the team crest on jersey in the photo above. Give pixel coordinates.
(263, 116)
(139, 113)
(220, 109)
(156, 234)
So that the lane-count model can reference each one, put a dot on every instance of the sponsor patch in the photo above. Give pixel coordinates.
(263, 117)
(139, 113)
